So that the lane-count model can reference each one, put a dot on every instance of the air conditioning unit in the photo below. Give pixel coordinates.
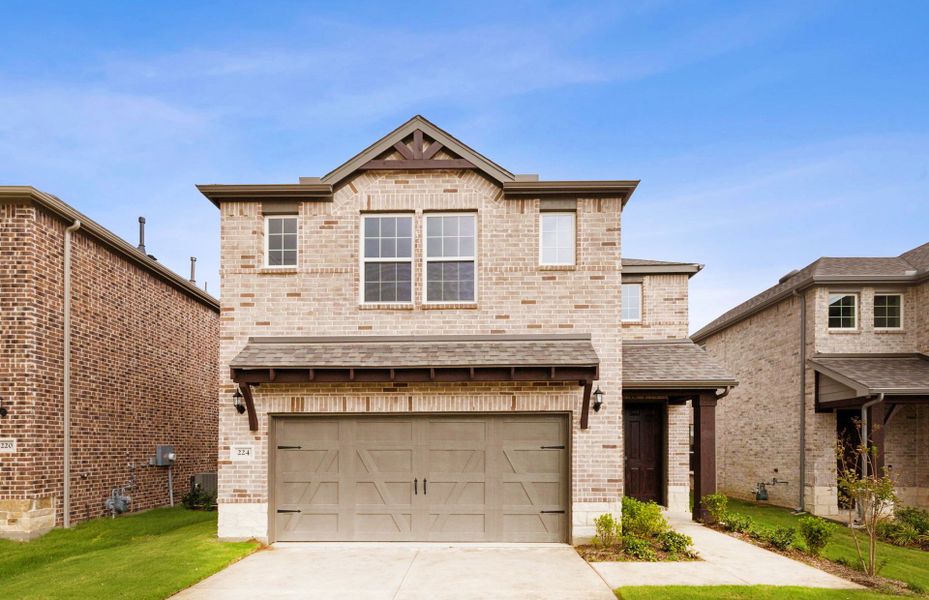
(206, 481)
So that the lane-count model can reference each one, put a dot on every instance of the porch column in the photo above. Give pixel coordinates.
(876, 434)
(704, 450)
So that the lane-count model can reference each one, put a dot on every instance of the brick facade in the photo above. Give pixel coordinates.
(664, 308)
(143, 373)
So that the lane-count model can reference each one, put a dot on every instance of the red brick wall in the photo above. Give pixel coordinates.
(144, 372)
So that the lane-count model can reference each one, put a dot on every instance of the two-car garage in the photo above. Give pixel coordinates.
(443, 477)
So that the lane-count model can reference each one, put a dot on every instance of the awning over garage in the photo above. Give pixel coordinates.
(847, 381)
(364, 359)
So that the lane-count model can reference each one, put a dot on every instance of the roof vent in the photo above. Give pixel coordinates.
(193, 269)
(910, 272)
(142, 235)
(788, 276)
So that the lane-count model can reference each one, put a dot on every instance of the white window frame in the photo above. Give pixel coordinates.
(641, 302)
(857, 297)
(427, 260)
(873, 316)
(566, 213)
(267, 241)
(362, 260)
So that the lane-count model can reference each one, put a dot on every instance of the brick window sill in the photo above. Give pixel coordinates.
(387, 306)
(466, 306)
(278, 271)
(889, 331)
(844, 331)
(558, 267)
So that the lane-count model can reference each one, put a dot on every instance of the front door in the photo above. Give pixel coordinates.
(644, 446)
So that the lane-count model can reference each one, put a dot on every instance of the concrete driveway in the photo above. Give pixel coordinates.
(407, 572)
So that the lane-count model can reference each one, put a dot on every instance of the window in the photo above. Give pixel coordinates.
(556, 246)
(387, 256)
(450, 258)
(888, 311)
(632, 302)
(843, 311)
(281, 241)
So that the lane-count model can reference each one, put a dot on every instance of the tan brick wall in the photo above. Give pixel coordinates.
(920, 317)
(515, 295)
(143, 373)
(664, 309)
(865, 338)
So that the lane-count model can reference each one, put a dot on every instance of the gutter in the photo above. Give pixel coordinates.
(66, 493)
(865, 433)
(802, 499)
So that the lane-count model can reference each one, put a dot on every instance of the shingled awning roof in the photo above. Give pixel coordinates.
(669, 365)
(368, 359)
(869, 375)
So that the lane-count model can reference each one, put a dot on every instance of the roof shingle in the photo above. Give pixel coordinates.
(878, 374)
(671, 364)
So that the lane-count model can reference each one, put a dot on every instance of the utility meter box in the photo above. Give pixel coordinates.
(164, 456)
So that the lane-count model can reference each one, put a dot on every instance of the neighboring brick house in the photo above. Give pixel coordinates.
(836, 337)
(142, 370)
(418, 339)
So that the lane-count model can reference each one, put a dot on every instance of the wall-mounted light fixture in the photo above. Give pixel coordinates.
(598, 399)
(237, 401)
(3, 411)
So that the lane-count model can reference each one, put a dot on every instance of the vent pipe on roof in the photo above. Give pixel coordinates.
(193, 269)
(142, 235)
(788, 276)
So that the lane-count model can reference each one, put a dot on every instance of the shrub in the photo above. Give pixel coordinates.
(782, 538)
(715, 504)
(675, 543)
(916, 518)
(737, 523)
(898, 533)
(642, 519)
(608, 530)
(198, 499)
(638, 548)
(761, 533)
(815, 533)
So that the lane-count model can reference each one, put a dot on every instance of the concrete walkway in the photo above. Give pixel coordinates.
(406, 572)
(726, 561)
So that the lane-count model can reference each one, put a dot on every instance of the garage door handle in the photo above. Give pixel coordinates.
(287, 510)
(415, 487)
(552, 447)
(552, 512)
(290, 447)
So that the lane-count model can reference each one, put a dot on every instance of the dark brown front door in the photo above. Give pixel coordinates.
(644, 448)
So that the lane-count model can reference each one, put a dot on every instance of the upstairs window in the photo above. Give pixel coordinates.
(281, 241)
(888, 311)
(556, 243)
(387, 270)
(843, 311)
(632, 302)
(450, 258)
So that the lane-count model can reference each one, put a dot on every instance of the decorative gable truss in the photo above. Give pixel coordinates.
(418, 151)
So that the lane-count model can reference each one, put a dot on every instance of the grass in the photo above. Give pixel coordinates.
(747, 592)
(909, 565)
(153, 554)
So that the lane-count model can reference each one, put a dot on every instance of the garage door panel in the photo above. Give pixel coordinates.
(488, 478)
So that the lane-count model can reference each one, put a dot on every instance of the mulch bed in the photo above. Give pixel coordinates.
(879, 583)
(592, 553)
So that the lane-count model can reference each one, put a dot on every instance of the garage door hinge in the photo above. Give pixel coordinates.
(290, 447)
(287, 510)
(547, 512)
(552, 447)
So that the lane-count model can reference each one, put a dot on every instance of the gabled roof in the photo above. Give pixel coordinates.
(483, 164)
(908, 268)
(415, 156)
(642, 266)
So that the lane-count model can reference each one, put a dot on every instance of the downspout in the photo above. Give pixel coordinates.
(802, 478)
(66, 494)
(865, 433)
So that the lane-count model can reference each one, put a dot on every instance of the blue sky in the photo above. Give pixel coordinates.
(765, 134)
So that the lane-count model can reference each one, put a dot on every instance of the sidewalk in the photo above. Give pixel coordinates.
(726, 561)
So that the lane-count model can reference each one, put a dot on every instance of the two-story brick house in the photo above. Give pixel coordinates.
(106, 354)
(842, 339)
(428, 347)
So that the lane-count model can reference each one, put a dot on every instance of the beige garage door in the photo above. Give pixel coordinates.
(424, 478)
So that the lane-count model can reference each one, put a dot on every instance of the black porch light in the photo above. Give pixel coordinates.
(237, 401)
(598, 399)
(3, 411)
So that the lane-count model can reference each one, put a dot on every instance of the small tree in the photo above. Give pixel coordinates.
(871, 487)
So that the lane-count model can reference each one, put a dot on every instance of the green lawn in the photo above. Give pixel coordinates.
(752, 592)
(148, 555)
(908, 565)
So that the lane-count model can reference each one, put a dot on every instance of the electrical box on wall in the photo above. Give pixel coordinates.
(164, 456)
